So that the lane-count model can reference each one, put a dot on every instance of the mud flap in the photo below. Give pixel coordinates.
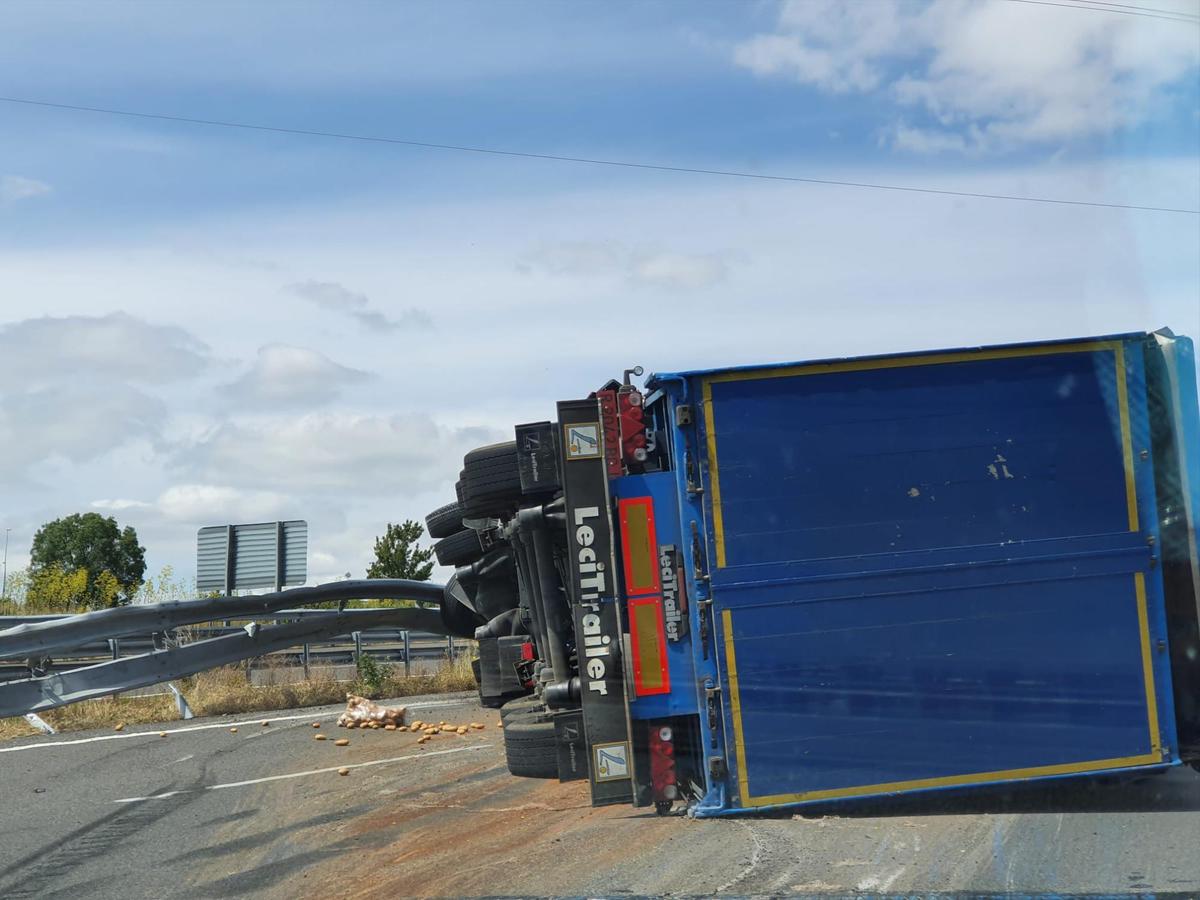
(572, 748)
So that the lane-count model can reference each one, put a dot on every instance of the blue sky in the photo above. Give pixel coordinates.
(320, 328)
(653, 82)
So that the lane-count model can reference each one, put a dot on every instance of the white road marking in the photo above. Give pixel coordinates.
(376, 762)
(879, 883)
(462, 701)
(891, 879)
(755, 857)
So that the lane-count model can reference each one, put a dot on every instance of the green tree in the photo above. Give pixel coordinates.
(53, 589)
(398, 556)
(109, 557)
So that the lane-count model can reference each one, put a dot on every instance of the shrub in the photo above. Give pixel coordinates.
(372, 675)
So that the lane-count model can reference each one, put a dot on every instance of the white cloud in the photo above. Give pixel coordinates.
(119, 504)
(18, 187)
(837, 46)
(989, 75)
(362, 453)
(678, 270)
(284, 376)
(201, 504)
(77, 422)
(209, 503)
(921, 140)
(340, 299)
(577, 258)
(72, 387)
(75, 349)
(648, 268)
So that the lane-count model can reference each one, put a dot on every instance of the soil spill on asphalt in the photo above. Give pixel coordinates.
(482, 831)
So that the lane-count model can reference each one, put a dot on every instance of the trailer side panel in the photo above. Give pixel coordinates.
(936, 570)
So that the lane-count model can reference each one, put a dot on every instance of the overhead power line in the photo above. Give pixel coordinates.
(1121, 9)
(592, 161)
(1140, 8)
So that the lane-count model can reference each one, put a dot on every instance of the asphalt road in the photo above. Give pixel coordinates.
(263, 813)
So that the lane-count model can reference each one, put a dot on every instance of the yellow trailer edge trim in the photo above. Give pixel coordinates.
(1126, 438)
(1095, 765)
(735, 706)
(710, 434)
(1139, 583)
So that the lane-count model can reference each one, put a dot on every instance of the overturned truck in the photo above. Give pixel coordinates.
(736, 589)
(772, 585)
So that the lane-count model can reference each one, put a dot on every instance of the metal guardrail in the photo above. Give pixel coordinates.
(35, 639)
(39, 638)
(126, 673)
(388, 643)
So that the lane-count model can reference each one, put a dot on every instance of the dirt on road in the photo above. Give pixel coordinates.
(476, 831)
(224, 808)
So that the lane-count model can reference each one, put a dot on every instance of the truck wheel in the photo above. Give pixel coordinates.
(485, 702)
(530, 749)
(522, 707)
(458, 619)
(459, 549)
(491, 480)
(445, 521)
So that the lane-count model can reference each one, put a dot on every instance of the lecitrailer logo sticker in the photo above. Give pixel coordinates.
(583, 440)
(611, 761)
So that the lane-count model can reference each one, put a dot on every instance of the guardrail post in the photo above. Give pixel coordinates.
(407, 657)
(450, 646)
(185, 711)
(114, 647)
(304, 659)
(39, 723)
(357, 635)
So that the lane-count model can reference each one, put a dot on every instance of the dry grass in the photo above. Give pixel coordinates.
(226, 690)
(95, 713)
(450, 676)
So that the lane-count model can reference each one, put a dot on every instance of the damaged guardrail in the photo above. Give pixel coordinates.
(389, 642)
(35, 640)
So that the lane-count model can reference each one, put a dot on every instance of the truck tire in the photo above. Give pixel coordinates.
(485, 702)
(522, 707)
(445, 521)
(530, 748)
(491, 480)
(459, 549)
(458, 619)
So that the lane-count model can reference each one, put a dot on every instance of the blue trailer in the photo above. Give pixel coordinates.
(861, 577)
(935, 570)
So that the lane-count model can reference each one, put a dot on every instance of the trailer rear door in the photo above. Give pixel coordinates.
(934, 571)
